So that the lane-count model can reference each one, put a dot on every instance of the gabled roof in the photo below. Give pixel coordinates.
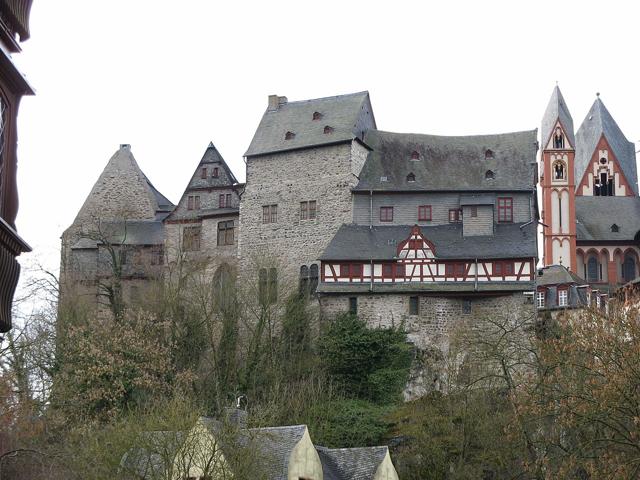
(359, 242)
(211, 155)
(274, 446)
(558, 275)
(348, 115)
(449, 163)
(152, 454)
(599, 122)
(556, 110)
(351, 463)
(596, 215)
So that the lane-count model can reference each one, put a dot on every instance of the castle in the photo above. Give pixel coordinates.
(417, 228)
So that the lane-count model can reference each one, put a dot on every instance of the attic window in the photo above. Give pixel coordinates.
(411, 177)
(415, 155)
(289, 135)
(488, 153)
(317, 115)
(489, 175)
(615, 228)
(328, 129)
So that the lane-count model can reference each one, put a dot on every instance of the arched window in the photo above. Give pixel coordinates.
(603, 185)
(317, 115)
(313, 278)
(558, 139)
(488, 153)
(415, 155)
(615, 228)
(303, 287)
(289, 136)
(489, 175)
(593, 270)
(559, 171)
(629, 268)
(411, 177)
(328, 129)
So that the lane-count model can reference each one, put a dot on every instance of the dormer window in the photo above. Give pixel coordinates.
(317, 115)
(615, 228)
(415, 155)
(289, 136)
(488, 153)
(411, 177)
(489, 175)
(558, 139)
(328, 129)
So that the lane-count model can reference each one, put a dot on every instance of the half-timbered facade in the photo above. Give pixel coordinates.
(591, 207)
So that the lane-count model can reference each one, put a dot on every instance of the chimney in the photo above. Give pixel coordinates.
(125, 146)
(236, 417)
(275, 101)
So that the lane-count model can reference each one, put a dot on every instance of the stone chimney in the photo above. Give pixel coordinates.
(275, 101)
(236, 417)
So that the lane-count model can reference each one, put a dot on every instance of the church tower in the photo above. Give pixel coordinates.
(557, 180)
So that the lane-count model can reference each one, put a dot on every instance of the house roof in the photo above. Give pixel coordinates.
(449, 163)
(599, 122)
(485, 199)
(152, 454)
(134, 232)
(456, 288)
(348, 115)
(351, 463)
(556, 110)
(359, 242)
(557, 275)
(596, 215)
(274, 446)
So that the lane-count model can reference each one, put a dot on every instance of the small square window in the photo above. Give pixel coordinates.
(414, 306)
(424, 213)
(455, 215)
(387, 270)
(269, 213)
(386, 214)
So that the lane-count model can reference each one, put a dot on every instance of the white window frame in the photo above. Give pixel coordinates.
(563, 298)
(540, 298)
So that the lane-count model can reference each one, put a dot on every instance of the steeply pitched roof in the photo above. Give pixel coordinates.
(556, 275)
(449, 163)
(349, 116)
(351, 463)
(152, 454)
(596, 215)
(133, 232)
(274, 445)
(359, 242)
(598, 122)
(556, 110)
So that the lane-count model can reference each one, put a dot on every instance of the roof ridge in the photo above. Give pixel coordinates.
(309, 100)
(457, 136)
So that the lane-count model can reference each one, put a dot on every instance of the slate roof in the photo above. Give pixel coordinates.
(349, 116)
(449, 163)
(598, 122)
(596, 215)
(153, 453)
(557, 110)
(134, 232)
(359, 242)
(426, 287)
(351, 463)
(485, 199)
(556, 275)
(211, 155)
(274, 446)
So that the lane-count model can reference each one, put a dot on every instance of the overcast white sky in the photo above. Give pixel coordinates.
(168, 77)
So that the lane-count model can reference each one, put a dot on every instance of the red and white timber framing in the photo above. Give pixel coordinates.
(416, 262)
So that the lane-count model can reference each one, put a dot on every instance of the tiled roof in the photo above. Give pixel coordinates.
(152, 455)
(556, 275)
(274, 446)
(478, 162)
(351, 463)
(349, 116)
(598, 122)
(596, 215)
(556, 110)
(359, 242)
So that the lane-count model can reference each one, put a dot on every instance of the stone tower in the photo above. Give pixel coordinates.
(557, 180)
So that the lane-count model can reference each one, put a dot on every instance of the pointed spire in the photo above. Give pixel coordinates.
(556, 110)
(211, 145)
(599, 122)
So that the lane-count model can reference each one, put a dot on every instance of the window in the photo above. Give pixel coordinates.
(303, 288)
(455, 215)
(615, 228)
(411, 177)
(505, 210)
(558, 171)
(489, 175)
(593, 270)
(308, 210)
(353, 305)
(313, 278)
(563, 297)
(268, 286)
(488, 153)
(386, 214)
(415, 155)
(455, 269)
(224, 200)
(124, 256)
(603, 185)
(317, 115)
(416, 244)
(225, 233)
(215, 172)
(473, 211)
(157, 255)
(414, 306)
(270, 213)
(503, 268)
(540, 296)
(328, 129)
(289, 136)
(558, 139)
(353, 270)
(401, 270)
(191, 239)
(203, 172)
(628, 268)
(193, 202)
(466, 307)
(424, 213)
(387, 270)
